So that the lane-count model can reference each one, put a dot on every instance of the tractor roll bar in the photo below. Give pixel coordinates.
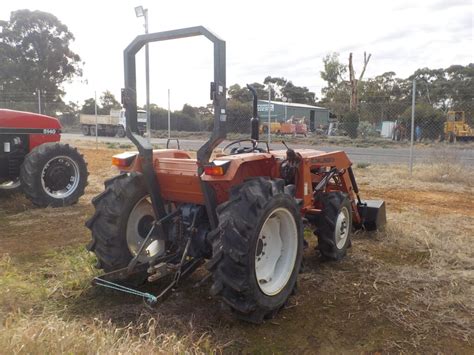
(218, 96)
(218, 87)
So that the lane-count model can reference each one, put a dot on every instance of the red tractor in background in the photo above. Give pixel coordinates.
(33, 160)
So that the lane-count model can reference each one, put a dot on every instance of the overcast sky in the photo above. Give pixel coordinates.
(277, 38)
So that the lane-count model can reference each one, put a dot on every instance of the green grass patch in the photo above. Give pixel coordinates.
(46, 281)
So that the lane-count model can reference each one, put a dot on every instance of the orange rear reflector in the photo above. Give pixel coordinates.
(120, 163)
(214, 170)
(123, 160)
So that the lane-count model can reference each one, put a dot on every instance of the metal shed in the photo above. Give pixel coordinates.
(314, 116)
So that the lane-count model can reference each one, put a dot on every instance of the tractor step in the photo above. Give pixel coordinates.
(161, 270)
(373, 214)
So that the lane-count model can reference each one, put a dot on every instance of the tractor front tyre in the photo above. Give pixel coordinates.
(334, 225)
(122, 219)
(258, 249)
(53, 174)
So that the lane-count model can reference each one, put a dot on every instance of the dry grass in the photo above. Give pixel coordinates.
(445, 166)
(42, 304)
(406, 289)
(427, 286)
(429, 277)
(46, 334)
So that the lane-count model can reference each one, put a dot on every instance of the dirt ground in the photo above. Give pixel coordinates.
(406, 289)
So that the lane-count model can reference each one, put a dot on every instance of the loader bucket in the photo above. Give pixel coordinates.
(373, 214)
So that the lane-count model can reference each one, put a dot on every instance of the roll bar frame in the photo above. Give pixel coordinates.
(218, 96)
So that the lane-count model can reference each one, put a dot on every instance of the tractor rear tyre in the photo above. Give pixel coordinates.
(93, 131)
(53, 174)
(258, 251)
(334, 225)
(122, 219)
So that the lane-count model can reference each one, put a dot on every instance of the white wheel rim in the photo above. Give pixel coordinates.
(10, 185)
(65, 188)
(275, 253)
(342, 228)
(138, 226)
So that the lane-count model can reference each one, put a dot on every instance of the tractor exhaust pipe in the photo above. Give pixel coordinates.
(254, 120)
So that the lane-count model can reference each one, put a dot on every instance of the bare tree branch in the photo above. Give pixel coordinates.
(366, 61)
(353, 101)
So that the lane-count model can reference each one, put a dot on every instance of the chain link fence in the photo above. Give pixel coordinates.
(381, 124)
(36, 101)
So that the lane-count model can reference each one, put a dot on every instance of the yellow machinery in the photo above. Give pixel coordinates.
(275, 127)
(456, 127)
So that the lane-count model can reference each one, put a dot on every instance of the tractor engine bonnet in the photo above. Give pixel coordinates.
(34, 129)
(24, 121)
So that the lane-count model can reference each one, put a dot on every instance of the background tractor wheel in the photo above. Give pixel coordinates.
(122, 219)
(92, 131)
(85, 130)
(9, 188)
(334, 225)
(53, 174)
(257, 254)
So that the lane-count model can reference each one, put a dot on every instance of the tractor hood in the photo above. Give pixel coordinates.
(25, 120)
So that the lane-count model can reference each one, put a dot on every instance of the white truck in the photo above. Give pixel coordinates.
(110, 125)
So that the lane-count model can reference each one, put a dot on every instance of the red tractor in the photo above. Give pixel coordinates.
(242, 212)
(32, 160)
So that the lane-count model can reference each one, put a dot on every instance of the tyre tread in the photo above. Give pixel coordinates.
(331, 203)
(238, 219)
(105, 223)
(31, 169)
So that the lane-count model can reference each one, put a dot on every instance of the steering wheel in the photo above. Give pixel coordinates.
(243, 149)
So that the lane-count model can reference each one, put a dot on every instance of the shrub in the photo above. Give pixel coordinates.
(350, 122)
(238, 116)
(366, 129)
(429, 119)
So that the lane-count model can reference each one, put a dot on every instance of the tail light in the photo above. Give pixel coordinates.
(217, 168)
(123, 160)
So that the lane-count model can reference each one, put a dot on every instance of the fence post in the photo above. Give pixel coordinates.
(269, 114)
(412, 133)
(96, 124)
(39, 101)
